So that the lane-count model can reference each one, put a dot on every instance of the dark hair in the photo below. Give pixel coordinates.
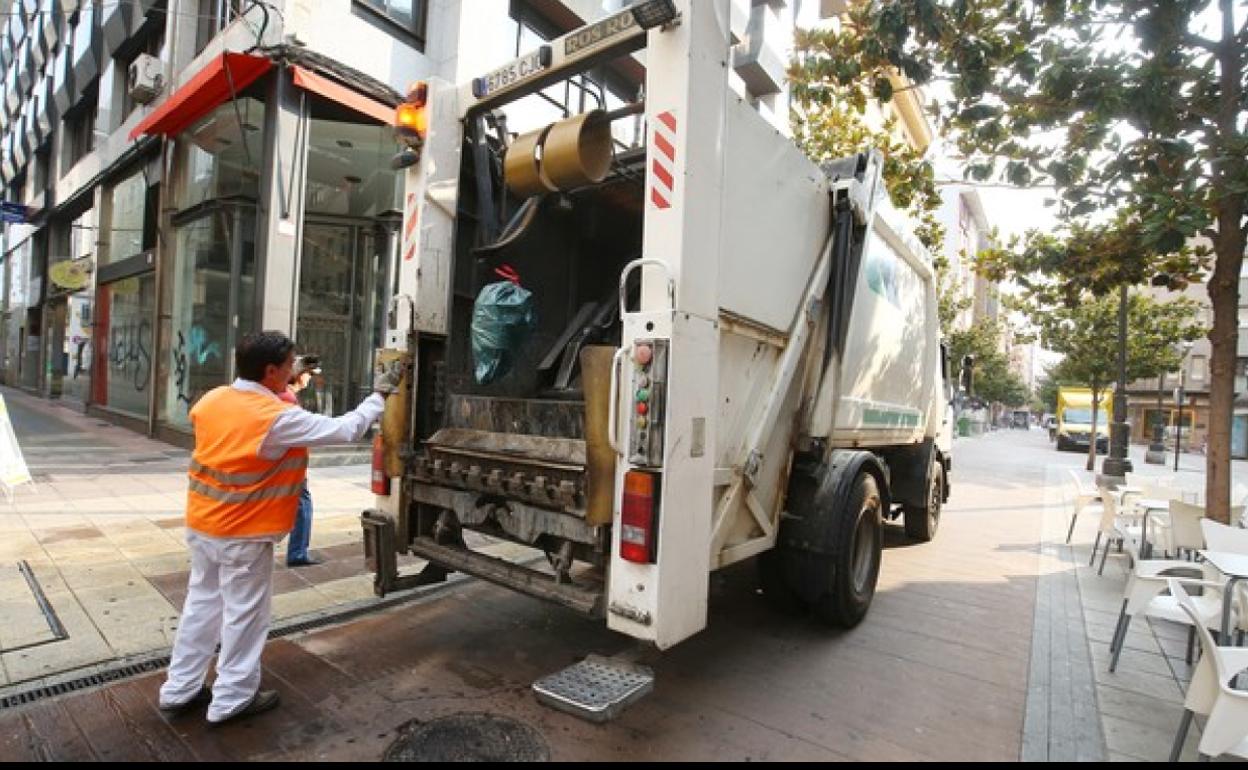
(258, 350)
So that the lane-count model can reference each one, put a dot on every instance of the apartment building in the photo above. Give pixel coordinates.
(176, 173)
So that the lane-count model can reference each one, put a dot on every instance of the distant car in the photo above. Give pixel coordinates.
(1050, 424)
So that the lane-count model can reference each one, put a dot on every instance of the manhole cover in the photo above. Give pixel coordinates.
(469, 738)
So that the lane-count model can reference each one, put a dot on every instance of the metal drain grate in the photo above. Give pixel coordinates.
(108, 676)
(82, 683)
(597, 688)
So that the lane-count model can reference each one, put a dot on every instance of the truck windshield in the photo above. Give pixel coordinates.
(1081, 416)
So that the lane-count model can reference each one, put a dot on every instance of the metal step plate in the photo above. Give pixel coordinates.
(596, 689)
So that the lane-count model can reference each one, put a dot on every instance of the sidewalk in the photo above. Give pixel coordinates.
(1140, 704)
(102, 534)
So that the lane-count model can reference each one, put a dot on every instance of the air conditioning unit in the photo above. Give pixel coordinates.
(146, 78)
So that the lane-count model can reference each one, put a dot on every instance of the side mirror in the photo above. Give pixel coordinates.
(968, 374)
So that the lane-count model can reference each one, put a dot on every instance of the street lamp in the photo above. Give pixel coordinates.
(1178, 397)
(1156, 454)
(1117, 466)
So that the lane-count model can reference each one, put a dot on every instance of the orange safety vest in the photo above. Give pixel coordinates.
(234, 492)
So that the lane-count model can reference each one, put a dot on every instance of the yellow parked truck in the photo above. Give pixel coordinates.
(1074, 419)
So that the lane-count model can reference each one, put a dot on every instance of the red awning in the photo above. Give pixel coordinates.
(310, 81)
(222, 78)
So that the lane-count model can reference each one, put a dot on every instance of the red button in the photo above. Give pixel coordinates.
(642, 409)
(643, 355)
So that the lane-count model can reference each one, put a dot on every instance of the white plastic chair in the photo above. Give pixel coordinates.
(1085, 500)
(1116, 526)
(1145, 594)
(1179, 532)
(1229, 539)
(1211, 693)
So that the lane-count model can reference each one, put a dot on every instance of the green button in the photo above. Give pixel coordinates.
(643, 395)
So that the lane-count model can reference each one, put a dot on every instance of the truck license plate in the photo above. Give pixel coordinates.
(509, 75)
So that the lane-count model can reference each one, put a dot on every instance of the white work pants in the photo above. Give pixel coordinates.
(228, 603)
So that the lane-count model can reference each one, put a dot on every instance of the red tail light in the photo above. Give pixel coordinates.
(381, 482)
(638, 519)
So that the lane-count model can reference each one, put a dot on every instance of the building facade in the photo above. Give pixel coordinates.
(1156, 402)
(186, 171)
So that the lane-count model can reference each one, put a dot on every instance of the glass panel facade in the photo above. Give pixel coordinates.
(353, 199)
(209, 250)
(124, 344)
(77, 348)
(220, 156)
(123, 232)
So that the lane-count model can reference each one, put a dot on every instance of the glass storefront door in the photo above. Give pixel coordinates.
(213, 275)
(56, 361)
(342, 291)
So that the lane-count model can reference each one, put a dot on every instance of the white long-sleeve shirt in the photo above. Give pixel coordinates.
(299, 428)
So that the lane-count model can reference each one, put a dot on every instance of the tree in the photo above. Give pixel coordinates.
(995, 382)
(1046, 390)
(830, 129)
(982, 341)
(1086, 333)
(1130, 108)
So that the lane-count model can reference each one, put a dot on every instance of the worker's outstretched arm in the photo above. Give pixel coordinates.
(297, 428)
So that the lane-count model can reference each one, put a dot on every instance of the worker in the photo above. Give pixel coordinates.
(301, 536)
(249, 464)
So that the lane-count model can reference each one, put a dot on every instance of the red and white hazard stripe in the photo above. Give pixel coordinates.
(411, 216)
(663, 165)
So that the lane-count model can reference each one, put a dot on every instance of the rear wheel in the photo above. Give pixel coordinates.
(921, 523)
(848, 576)
(838, 585)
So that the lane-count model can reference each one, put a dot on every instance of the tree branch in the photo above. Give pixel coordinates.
(997, 185)
(1197, 41)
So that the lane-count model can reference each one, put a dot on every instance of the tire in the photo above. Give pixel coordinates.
(921, 523)
(845, 580)
(1062, 446)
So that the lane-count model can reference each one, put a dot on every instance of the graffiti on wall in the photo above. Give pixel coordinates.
(194, 348)
(128, 354)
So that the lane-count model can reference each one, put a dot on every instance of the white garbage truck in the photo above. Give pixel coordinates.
(732, 353)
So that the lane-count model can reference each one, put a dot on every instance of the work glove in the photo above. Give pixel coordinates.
(387, 379)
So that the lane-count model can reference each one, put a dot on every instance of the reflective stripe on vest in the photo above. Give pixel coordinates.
(232, 491)
(247, 479)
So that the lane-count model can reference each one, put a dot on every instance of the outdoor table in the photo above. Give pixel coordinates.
(1235, 567)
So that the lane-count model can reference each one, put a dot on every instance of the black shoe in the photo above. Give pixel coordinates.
(201, 698)
(308, 562)
(262, 701)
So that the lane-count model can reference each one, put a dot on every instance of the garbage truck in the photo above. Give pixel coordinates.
(728, 352)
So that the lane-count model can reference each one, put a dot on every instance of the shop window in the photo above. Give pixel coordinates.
(352, 213)
(125, 345)
(213, 297)
(125, 211)
(220, 156)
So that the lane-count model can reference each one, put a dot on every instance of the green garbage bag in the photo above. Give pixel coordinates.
(502, 319)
